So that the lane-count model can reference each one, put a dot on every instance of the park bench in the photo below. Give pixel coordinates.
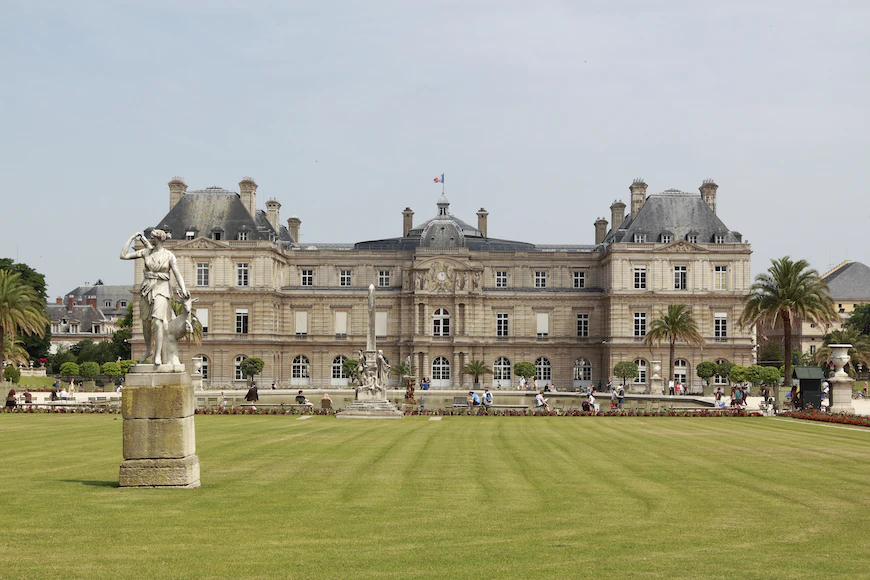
(460, 402)
(281, 405)
(507, 407)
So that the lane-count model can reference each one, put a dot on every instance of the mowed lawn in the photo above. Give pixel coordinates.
(464, 497)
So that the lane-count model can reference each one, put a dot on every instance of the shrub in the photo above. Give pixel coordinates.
(69, 369)
(11, 374)
(89, 369)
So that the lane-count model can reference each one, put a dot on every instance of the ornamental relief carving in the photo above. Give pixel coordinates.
(443, 276)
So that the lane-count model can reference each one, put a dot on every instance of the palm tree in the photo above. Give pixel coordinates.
(21, 310)
(675, 324)
(860, 351)
(789, 291)
(13, 350)
(476, 369)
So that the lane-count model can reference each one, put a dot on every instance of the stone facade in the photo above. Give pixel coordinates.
(447, 294)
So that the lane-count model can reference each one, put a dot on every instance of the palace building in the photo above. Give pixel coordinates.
(448, 294)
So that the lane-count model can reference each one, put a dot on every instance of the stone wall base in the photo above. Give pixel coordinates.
(179, 473)
(370, 410)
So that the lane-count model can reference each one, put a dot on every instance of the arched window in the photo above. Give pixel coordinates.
(582, 370)
(300, 367)
(441, 322)
(681, 371)
(338, 367)
(543, 369)
(641, 371)
(718, 379)
(204, 368)
(441, 369)
(238, 366)
(501, 370)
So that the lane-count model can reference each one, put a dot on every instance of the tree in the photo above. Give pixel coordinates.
(770, 375)
(14, 349)
(349, 368)
(401, 370)
(675, 324)
(125, 365)
(111, 369)
(69, 369)
(89, 369)
(36, 345)
(706, 370)
(21, 309)
(788, 292)
(860, 351)
(526, 370)
(753, 374)
(859, 319)
(738, 373)
(625, 370)
(11, 374)
(251, 367)
(771, 352)
(723, 369)
(477, 369)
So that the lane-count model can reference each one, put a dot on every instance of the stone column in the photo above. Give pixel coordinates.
(841, 383)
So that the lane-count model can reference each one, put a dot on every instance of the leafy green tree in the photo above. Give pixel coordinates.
(770, 375)
(476, 369)
(11, 374)
(860, 351)
(22, 309)
(737, 373)
(111, 369)
(251, 367)
(36, 345)
(753, 374)
(771, 352)
(69, 369)
(723, 369)
(125, 365)
(349, 368)
(706, 370)
(675, 324)
(625, 370)
(789, 291)
(14, 349)
(860, 319)
(98, 352)
(89, 369)
(526, 370)
(121, 346)
(61, 356)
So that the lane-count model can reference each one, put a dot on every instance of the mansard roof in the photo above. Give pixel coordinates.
(850, 281)
(103, 293)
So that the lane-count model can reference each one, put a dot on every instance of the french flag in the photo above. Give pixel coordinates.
(440, 179)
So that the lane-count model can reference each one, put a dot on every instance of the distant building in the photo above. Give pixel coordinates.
(448, 293)
(87, 312)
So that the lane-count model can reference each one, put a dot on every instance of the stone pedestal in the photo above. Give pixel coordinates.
(370, 404)
(841, 383)
(656, 383)
(159, 440)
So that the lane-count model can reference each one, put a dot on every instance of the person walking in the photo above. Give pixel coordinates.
(252, 396)
(620, 397)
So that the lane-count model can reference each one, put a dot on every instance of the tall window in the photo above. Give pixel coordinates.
(719, 379)
(241, 321)
(217, 236)
(543, 369)
(640, 277)
(301, 322)
(344, 278)
(237, 365)
(300, 367)
(720, 326)
(441, 323)
(501, 370)
(202, 273)
(501, 279)
(681, 371)
(679, 277)
(384, 278)
(583, 325)
(338, 367)
(812, 349)
(579, 279)
(639, 324)
(381, 319)
(542, 324)
(441, 369)
(308, 277)
(202, 315)
(720, 277)
(203, 370)
(340, 323)
(582, 370)
(641, 371)
(242, 274)
(502, 324)
(540, 279)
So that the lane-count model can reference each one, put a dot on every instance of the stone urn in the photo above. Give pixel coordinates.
(840, 357)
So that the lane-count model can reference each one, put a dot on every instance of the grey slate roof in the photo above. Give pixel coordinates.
(849, 282)
(674, 212)
(83, 314)
(103, 294)
(205, 210)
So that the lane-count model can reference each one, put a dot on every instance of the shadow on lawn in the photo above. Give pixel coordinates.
(91, 482)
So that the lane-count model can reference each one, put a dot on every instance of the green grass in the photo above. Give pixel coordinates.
(465, 497)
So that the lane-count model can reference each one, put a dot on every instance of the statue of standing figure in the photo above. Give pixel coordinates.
(383, 369)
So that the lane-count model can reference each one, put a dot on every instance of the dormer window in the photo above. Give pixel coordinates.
(718, 239)
(189, 235)
(692, 238)
(639, 238)
(667, 238)
(243, 236)
(217, 235)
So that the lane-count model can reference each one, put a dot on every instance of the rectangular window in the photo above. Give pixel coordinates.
(341, 323)
(583, 325)
(202, 273)
(189, 235)
(123, 304)
(380, 324)
(640, 277)
(242, 274)
(502, 324)
(719, 239)
(344, 278)
(720, 326)
(812, 349)
(692, 238)
(301, 322)
(579, 279)
(243, 236)
(639, 238)
(720, 277)
(679, 277)
(241, 321)
(666, 238)
(74, 328)
(639, 324)
(501, 279)
(540, 279)
(384, 278)
(308, 277)
(202, 316)
(217, 236)
(542, 323)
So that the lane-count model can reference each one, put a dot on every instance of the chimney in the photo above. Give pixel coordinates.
(272, 214)
(58, 300)
(407, 221)
(481, 221)
(293, 226)
(92, 302)
(617, 214)
(708, 193)
(70, 302)
(248, 193)
(177, 189)
(638, 195)
(601, 229)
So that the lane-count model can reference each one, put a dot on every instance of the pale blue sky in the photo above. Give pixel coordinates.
(543, 112)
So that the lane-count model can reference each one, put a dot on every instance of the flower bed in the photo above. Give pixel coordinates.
(25, 408)
(841, 418)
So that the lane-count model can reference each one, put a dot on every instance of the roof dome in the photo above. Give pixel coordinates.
(442, 233)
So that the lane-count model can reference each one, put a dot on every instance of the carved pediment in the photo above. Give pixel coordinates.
(202, 244)
(681, 246)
